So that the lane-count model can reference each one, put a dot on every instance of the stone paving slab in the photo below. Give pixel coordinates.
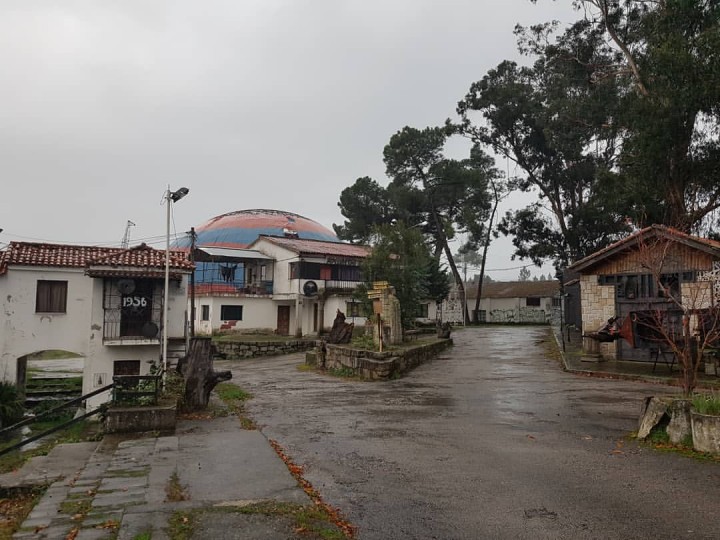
(125, 485)
(62, 461)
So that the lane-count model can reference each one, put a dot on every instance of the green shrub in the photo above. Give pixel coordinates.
(11, 406)
(363, 342)
(707, 403)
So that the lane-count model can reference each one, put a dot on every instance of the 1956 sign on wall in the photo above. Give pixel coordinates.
(134, 302)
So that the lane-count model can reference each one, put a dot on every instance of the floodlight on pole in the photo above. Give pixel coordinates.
(170, 197)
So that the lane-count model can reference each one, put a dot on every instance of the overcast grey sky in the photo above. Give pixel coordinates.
(249, 103)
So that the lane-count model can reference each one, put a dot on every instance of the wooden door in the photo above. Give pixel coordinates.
(283, 320)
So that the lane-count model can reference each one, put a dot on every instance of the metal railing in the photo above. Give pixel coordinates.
(232, 288)
(51, 412)
(136, 388)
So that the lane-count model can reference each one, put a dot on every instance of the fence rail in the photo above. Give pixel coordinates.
(131, 388)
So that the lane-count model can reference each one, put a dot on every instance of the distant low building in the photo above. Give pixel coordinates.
(516, 302)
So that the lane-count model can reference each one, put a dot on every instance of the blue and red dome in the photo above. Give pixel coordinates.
(241, 228)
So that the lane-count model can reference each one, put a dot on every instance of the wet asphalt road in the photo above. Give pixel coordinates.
(489, 440)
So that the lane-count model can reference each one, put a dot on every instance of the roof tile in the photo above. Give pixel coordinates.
(318, 247)
(72, 256)
(515, 289)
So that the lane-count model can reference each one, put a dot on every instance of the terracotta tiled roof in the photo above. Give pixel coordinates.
(515, 289)
(70, 256)
(143, 256)
(669, 233)
(318, 247)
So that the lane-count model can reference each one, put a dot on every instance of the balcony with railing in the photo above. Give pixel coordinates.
(341, 285)
(233, 288)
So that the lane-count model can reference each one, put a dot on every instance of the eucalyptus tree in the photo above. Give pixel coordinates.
(616, 120)
(438, 196)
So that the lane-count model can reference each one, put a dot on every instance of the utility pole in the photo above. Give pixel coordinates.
(193, 238)
(126, 237)
(465, 313)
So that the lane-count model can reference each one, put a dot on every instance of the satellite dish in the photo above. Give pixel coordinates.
(310, 288)
(126, 286)
(150, 329)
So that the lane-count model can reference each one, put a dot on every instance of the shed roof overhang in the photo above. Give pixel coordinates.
(219, 254)
(586, 265)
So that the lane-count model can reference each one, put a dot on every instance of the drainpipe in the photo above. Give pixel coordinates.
(298, 318)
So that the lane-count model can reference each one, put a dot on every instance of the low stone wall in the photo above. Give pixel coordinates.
(139, 419)
(235, 350)
(382, 365)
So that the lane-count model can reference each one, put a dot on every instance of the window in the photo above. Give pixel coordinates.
(423, 311)
(263, 273)
(126, 367)
(231, 313)
(556, 302)
(347, 273)
(352, 309)
(51, 297)
(482, 315)
(325, 272)
(294, 270)
(205, 312)
(532, 302)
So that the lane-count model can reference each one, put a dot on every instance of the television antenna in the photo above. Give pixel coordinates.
(126, 237)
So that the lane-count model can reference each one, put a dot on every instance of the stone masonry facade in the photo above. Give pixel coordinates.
(252, 349)
(598, 303)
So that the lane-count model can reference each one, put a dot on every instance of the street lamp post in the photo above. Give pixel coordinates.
(170, 197)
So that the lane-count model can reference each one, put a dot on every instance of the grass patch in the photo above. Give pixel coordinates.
(344, 372)
(182, 525)
(77, 508)
(550, 347)
(364, 342)
(53, 354)
(234, 398)
(231, 392)
(175, 491)
(143, 536)
(707, 403)
(14, 510)
(309, 521)
(305, 367)
(659, 440)
(659, 435)
(80, 432)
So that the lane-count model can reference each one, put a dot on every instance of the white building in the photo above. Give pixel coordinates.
(501, 302)
(104, 304)
(284, 284)
(516, 301)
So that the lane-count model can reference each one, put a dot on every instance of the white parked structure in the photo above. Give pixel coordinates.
(104, 304)
(284, 284)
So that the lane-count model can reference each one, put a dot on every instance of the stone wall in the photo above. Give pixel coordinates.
(598, 305)
(140, 419)
(252, 349)
(382, 365)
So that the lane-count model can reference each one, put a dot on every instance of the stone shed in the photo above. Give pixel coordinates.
(656, 269)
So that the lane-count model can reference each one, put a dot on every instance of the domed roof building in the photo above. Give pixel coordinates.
(241, 228)
(270, 270)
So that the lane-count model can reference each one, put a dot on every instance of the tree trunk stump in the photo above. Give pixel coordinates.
(200, 377)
